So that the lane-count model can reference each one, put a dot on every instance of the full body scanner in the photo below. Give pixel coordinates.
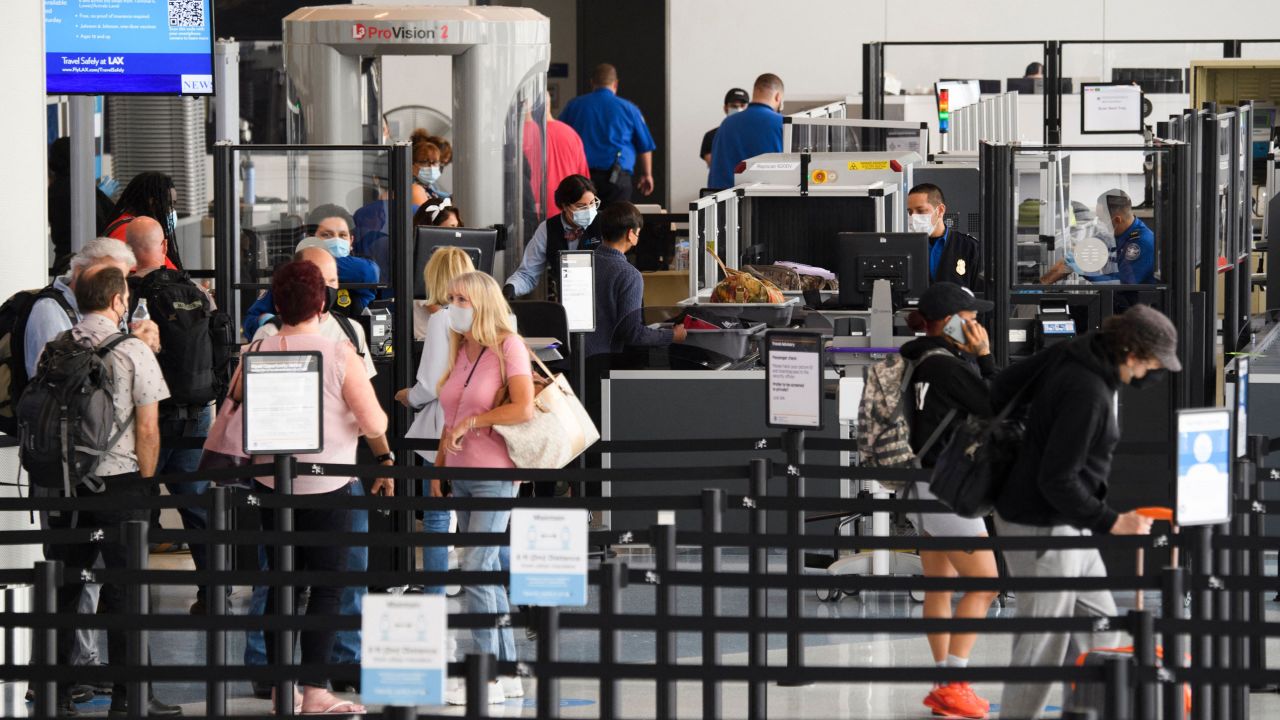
(500, 60)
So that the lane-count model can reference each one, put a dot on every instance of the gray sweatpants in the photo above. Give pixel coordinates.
(1024, 701)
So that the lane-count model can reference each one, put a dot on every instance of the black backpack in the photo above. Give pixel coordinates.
(65, 416)
(193, 353)
(13, 356)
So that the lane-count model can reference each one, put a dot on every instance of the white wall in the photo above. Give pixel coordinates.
(816, 47)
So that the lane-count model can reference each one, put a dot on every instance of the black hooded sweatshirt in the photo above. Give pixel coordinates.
(1060, 475)
(941, 383)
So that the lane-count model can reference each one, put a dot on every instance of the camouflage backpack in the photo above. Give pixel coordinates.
(884, 424)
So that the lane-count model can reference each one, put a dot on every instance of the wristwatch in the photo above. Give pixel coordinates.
(385, 457)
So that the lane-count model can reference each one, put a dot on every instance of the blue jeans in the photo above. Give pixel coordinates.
(173, 461)
(499, 642)
(435, 558)
(255, 646)
(347, 647)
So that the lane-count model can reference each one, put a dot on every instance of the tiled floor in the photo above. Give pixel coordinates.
(579, 698)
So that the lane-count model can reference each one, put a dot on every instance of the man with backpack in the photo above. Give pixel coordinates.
(89, 423)
(187, 323)
(1057, 485)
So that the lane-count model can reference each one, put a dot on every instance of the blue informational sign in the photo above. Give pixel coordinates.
(1204, 458)
(1242, 407)
(403, 658)
(549, 557)
(115, 47)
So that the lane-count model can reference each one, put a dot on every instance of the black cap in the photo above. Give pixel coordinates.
(737, 96)
(945, 298)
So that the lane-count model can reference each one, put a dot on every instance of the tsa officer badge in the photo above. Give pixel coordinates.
(960, 267)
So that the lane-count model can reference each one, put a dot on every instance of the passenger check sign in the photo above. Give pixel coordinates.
(549, 557)
(793, 379)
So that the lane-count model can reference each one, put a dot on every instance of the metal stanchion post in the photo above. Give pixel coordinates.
(615, 578)
(1256, 566)
(549, 652)
(1143, 627)
(1202, 644)
(479, 675)
(664, 540)
(1223, 642)
(758, 597)
(1172, 608)
(44, 645)
(216, 599)
(712, 522)
(399, 712)
(284, 470)
(137, 596)
(793, 440)
(1239, 598)
(1117, 695)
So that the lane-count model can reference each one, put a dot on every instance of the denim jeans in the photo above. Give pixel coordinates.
(499, 642)
(255, 647)
(346, 649)
(173, 461)
(435, 558)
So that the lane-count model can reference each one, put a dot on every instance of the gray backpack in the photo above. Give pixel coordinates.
(884, 422)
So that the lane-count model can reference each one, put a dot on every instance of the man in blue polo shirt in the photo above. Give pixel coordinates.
(615, 136)
(754, 131)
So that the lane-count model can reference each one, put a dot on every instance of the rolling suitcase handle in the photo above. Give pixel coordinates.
(1157, 514)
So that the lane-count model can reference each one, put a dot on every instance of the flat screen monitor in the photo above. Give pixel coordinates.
(960, 93)
(1110, 108)
(1204, 467)
(479, 243)
(1034, 86)
(900, 258)
(136, 48)
(986, 87)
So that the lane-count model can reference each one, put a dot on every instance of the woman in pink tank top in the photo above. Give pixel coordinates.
(485, 353)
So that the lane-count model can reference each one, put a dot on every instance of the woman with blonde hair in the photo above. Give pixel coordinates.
(485, 354)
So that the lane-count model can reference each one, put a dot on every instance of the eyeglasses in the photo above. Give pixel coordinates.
(593, 205)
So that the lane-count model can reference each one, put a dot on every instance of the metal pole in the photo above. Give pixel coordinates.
(549, 652)
(226, 231)
(758, 597)
(44, 645)
(1117, 683)
(479, 675)
(664, 541)
(1202, 645)
(1143, 627)
(1172, 608)
(216, 599)
(400, 712)
(400, 225)
(1224, 643)
(84, 226)
(713, 505)
(284, 593)
(793, 440)
(137, 596)
(615, 578)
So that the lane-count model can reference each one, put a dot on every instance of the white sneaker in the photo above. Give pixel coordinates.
(512, 686)
(458, 696)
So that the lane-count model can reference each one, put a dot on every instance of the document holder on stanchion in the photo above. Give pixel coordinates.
(283, 402)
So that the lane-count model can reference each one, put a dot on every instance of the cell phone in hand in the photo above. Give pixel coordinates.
(954, 329)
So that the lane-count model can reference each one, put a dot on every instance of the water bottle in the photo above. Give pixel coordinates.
(141, 312)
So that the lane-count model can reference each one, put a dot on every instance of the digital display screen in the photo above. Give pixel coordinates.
(120, 47)
(1058, 327)
(1204, 477)
(1107, 108)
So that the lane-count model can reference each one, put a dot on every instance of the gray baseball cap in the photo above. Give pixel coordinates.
(1155, 335)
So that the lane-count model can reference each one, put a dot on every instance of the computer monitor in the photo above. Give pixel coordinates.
(1110, 108)
(864, 257)
(987, 87)
(1034, 86)
(479, 243)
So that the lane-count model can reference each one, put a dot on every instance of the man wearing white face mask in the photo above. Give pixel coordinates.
(735, 101)
(574, 228)
(1130, 250)
(953, 256)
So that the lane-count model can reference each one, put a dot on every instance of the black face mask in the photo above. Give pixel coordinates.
(1152, 377)
(330, 298)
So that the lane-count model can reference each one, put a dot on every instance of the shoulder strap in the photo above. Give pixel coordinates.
(110, 343)
(56, 295)
(348, 329)
(937, 432)
(117, 224)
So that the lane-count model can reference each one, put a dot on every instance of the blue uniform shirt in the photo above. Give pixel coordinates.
(754, 131)
(610, 127)
(936, 246)
(1133, 257)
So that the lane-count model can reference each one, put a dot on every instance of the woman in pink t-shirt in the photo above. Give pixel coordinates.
(485, 353)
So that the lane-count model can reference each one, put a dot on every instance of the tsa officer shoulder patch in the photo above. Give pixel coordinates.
(1131, 251)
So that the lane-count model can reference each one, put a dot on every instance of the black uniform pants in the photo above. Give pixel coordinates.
(611, 192)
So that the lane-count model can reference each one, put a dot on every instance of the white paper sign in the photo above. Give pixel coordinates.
(403, 640)
(578, 289)
(1110, 108)
(1204, 475)
(1242, 407)
(549, 557)
(283, 403)
(793, 376)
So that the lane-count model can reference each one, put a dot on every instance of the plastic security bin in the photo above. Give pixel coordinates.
(733, 344)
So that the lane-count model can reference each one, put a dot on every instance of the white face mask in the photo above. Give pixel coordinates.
(461, 319)
(922, 223)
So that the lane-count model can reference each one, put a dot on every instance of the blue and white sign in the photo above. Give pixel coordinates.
(1204, 458)
(112, 47)
(1242, 407)
(403, 642)
(549, 557)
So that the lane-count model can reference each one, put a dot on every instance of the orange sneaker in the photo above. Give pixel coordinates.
(986, 705)
(954, 701)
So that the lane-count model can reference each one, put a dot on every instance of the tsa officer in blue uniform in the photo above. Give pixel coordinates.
(617, 140)
(1131, 244)
(954, 257)
(754, 131)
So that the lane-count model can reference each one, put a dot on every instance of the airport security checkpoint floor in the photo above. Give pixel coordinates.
(579, 697)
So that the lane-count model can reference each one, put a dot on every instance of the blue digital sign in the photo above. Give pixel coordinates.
(114, 47)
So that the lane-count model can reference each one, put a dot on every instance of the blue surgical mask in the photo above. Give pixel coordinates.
(172, 221)
(584, 217)
(338, 247)
(428, 174)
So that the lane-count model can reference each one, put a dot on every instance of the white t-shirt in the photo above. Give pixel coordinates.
(329, 328)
